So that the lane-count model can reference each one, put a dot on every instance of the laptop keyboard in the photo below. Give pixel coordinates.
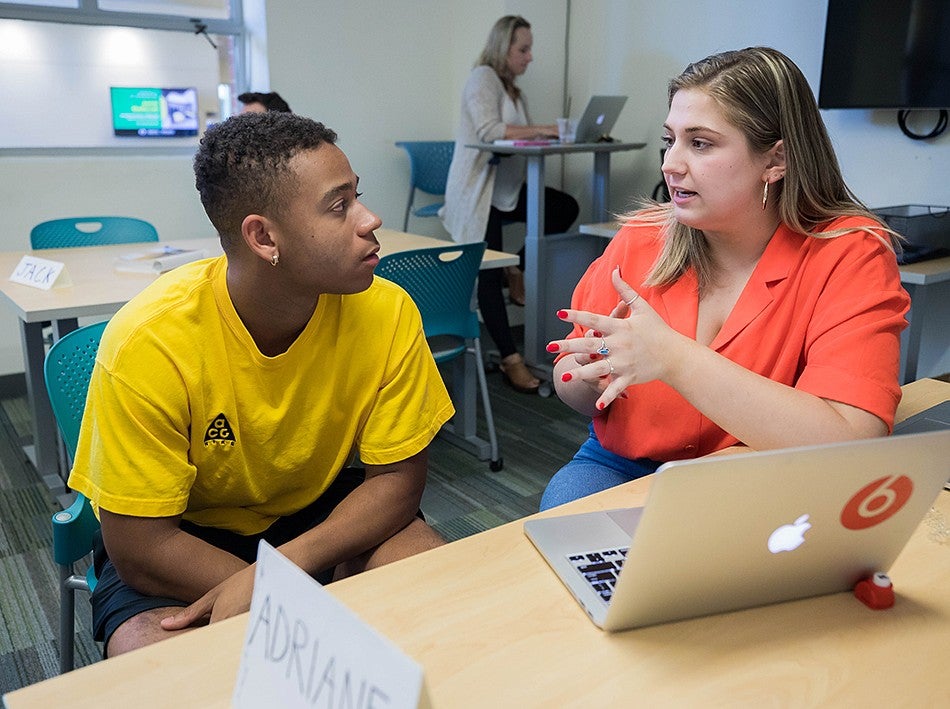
(600, 569)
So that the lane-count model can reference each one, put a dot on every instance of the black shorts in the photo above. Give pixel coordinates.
(113, 602)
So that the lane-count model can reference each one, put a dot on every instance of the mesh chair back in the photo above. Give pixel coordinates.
(429, 162)
(441, 281)
(90, 231)
(68, 368)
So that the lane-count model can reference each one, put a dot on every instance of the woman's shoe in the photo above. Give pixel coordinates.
(515, 277)
(517, 374)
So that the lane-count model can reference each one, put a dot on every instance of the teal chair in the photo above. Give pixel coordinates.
(67, 369)
(441, 282)
(429, 162)
(90, 231)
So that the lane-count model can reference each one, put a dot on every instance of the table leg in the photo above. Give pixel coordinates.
(910, 351)
(44, 451)
(600, 191)
(533, 260)
(462, 429)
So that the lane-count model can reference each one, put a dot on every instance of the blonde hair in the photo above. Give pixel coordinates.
(765, 95)
(495, 53)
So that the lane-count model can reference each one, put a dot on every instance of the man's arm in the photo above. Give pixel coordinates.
(155, 557)
(381, 507)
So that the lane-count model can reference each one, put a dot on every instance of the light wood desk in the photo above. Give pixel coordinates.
(915, 277)
(99, 290)
(492, 626)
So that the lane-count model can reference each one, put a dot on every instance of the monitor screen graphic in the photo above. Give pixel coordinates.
(146, 112)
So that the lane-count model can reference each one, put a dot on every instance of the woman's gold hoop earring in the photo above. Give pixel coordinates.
(274, 259)
(765, 194)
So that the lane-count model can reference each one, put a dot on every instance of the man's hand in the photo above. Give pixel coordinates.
(229, 598)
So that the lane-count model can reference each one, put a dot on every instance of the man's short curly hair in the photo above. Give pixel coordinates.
(242, 166)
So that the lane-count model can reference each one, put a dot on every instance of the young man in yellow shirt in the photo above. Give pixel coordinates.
(231, 398)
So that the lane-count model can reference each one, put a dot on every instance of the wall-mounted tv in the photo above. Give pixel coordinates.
(886, 54)
(147, 112)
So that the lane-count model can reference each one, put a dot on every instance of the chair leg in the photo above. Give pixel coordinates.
(405, 221)
(496, 462)
(67, 619)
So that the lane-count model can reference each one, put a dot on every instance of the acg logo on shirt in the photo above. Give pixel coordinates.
(219, 432)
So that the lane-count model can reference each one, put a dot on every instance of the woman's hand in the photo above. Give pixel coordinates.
(631, 345)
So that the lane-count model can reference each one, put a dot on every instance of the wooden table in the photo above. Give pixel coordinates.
(492, 626)
(917, 279)
(99, 290)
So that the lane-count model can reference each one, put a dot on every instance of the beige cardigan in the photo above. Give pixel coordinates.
(471, 180)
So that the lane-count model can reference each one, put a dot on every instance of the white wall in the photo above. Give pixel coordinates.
(55, 80)
(58, 156)
(378, 72)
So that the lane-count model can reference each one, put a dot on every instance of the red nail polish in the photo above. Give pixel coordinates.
(594, 357)
(553, 347)
(566, 377)
(562, 314)
(623, 395)
(597, 333)
(600, 405)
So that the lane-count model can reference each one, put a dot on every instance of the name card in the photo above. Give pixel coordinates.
(303, 648)
(40, 273)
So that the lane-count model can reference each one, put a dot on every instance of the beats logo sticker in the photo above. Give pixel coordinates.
(877, 502)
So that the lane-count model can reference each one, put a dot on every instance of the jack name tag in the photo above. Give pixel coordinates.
(40, 273)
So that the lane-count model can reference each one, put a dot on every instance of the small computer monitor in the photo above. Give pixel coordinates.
(148, 112)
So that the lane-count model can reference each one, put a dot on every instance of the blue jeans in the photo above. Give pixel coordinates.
(593, 468)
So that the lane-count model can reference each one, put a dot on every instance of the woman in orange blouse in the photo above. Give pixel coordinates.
(762, 305)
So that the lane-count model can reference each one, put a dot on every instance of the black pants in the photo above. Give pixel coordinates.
(114, 602)
(560, 211)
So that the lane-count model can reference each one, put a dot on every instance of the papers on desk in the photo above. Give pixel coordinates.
(521, 143)
(158, 259)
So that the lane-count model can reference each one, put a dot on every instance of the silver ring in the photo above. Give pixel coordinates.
(632, 300)
(604, 350)
(607, 360)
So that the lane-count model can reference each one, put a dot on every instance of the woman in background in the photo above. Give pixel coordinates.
(762, 305)
(484, 192)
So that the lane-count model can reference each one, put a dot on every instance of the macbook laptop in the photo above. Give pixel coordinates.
(936, 418)
(728, 532)
(599, 118)
(596, 123)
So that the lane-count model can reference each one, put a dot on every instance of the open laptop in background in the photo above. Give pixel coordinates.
(723, 533)
(936, 418)
(598, 120)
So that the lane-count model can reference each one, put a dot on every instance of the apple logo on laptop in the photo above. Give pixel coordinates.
(789, 536)
(600, 119)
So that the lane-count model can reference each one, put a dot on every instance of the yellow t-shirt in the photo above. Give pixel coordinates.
(186, 416)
